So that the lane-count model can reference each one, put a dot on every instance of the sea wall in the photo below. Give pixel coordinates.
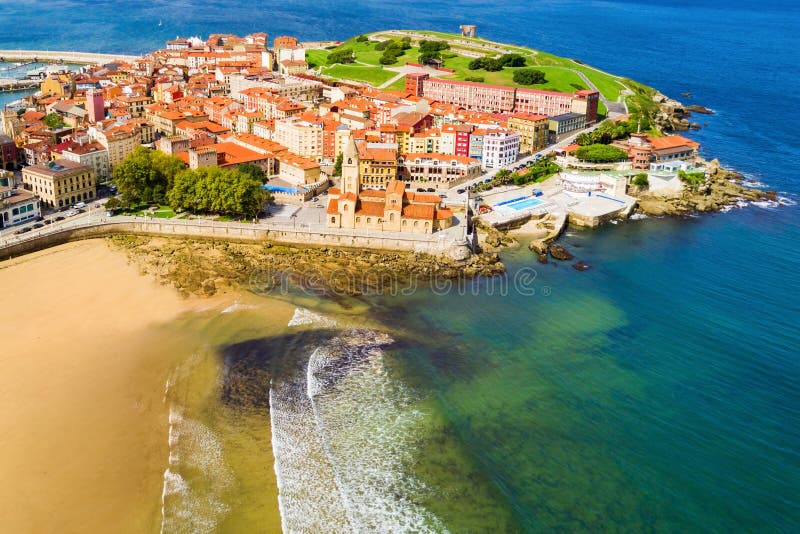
(67, 57)
(241, 233)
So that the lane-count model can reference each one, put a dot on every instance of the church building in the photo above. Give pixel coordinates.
(393, 209)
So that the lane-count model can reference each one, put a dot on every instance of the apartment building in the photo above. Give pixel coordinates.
(60, 183)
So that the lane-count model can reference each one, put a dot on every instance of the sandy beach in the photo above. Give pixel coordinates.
(87, 348)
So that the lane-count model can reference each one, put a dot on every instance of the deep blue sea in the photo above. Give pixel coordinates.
(658, 391)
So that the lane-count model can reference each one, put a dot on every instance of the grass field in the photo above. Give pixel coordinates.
(559, 71)
(360, 73)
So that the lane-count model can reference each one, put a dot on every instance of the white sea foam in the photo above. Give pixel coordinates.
(343, 452)
(236, 306)
(195, 447)
(302, 316)
(786, 201)
(766, 204)
(638, 216)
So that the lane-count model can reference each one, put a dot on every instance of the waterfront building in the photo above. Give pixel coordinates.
(646, 151)
(500, 148)
(17, 206)
(393, 209)
(60, 183)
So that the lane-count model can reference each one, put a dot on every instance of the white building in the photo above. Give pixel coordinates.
(18, 206)
(500, 148)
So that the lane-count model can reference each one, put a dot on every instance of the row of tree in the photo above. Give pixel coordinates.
(491, 64)
(600, 153)
(150, 176)
(343, 56)
(610, 131)
(235, 192)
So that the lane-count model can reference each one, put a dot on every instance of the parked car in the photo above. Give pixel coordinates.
(38, 225)
(431, 190)
(22, 230)
(315, 199)
(79, 205)
(460, 191)
(442, 195)
(420, 190)
(47, 221)
(59, 218)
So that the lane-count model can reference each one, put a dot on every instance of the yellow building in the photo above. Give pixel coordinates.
(532, 129)
(377, 164)
(120, 142)
(52, 87)
(60, 183)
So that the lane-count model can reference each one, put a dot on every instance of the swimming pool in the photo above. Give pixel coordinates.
(523, 204)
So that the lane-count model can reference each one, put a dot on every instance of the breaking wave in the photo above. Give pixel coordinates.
(303, 316)
(343, 437)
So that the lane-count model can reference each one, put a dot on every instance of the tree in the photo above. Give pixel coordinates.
(475, 64)
(512, 60)
(345, 55)
(256, 172)
(382, 45)
(600, 153)
(362, 39)
(584, 139)
(146, 176)
(337, 167)
(214, 190)
(641, 180)
(529, 76)
(54, 120)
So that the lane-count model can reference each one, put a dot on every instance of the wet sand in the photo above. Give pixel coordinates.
(86, 350)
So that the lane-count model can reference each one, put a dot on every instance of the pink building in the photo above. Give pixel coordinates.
(95, 105)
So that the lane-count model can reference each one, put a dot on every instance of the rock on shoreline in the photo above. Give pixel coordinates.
(205, 267)
(722, 189)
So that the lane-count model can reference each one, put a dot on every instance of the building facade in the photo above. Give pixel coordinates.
(17, 206)
(500, 148)
(60, 183)
(532, 130)
(441, 171)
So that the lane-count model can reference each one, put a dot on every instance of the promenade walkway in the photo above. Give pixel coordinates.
(315, 234)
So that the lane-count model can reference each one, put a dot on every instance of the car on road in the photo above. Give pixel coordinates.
(420, 190)
(315, 199)
(319, 206)
(431, 190)
(38, 225)
(81, 210)
(442, 195)
(79, 205)
(22, 230)
(47, 221)
(461, 191)
(486, 181)
(59, 218)
(70, 213)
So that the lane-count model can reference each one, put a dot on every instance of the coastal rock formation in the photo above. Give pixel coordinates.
(722, 188)
(205, 267)
(673, 116)
(557, 252)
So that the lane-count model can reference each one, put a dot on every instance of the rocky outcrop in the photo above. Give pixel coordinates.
(722, 188)
(674, 116)
(205, 267)
(557, 252)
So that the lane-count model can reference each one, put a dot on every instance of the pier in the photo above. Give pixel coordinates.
(55, 56)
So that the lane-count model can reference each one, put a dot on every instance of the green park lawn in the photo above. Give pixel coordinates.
(558, 70)
(371, 75)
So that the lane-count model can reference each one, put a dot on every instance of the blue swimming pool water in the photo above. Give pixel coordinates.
(527, 203)
(511, 201)
(279, 189)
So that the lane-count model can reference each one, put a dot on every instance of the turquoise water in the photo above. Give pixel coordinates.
(657, 391)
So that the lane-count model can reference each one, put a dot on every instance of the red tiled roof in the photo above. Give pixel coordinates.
(419, 211)
(371, 208)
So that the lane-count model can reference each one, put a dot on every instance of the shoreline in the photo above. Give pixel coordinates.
(85, 413)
